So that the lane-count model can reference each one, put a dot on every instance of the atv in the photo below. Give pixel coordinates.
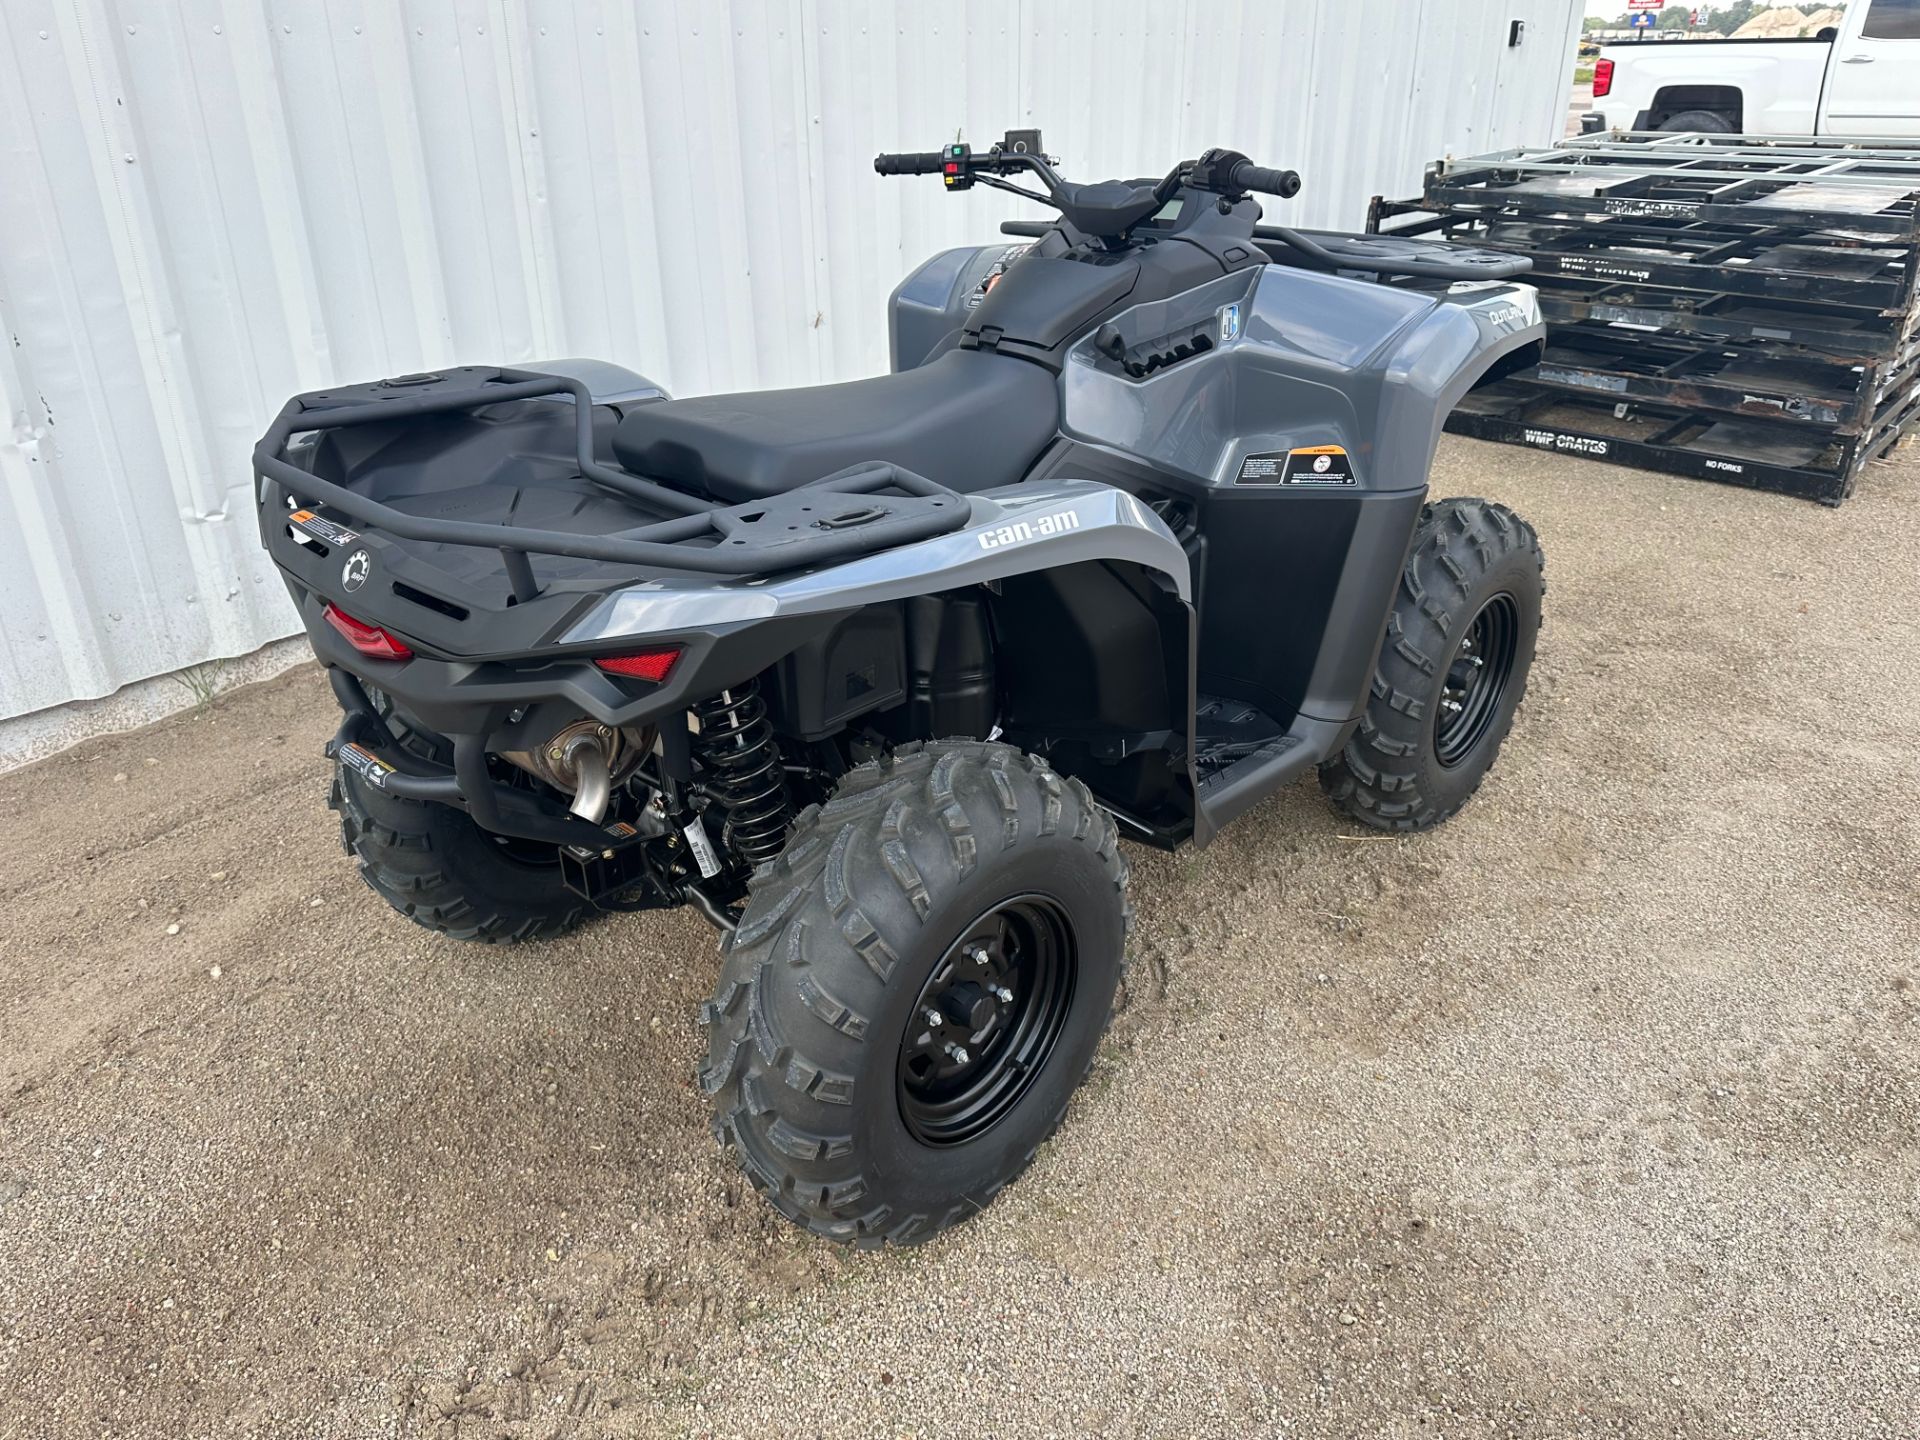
(876, 676)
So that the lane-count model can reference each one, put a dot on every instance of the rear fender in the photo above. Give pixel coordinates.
(1013, 531)
(1082, 579)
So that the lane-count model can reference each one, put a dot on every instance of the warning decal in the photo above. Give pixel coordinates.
(367, 765)
(1316, 465)
(322, 529)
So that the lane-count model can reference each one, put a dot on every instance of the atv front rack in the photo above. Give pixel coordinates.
(879, 505)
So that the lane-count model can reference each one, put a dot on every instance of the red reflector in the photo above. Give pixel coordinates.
(643, 665)
(369, 640)
(1602, 78)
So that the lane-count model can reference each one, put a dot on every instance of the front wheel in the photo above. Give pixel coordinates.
(1452, 669)
(916, 988)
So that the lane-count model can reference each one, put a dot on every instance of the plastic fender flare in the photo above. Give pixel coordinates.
(1012, 531)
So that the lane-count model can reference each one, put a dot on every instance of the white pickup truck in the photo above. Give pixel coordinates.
(1861, 77)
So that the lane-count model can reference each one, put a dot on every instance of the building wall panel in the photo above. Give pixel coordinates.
(210, 205)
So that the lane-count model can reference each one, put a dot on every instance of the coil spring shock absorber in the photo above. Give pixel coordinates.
(736, 743)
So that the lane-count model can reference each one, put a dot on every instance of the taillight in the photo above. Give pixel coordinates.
(651, 665)
(1602, 78)
(369, 640)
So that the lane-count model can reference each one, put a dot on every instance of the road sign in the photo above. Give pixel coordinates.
(1643, 20)
(1645, 4)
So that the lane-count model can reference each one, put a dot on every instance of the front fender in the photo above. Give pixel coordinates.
(1011, 531)
(1436, 362)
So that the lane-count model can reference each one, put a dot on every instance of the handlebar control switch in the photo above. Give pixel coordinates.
(1213, 171)
(956, 171)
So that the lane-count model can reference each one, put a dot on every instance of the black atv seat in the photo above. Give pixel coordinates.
(968, 420)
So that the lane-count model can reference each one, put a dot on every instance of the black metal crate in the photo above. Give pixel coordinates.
(1859, 271)
(1826, 329)
(1786, 184)
(1761, 454)
(1752, 382)
(1736, 308)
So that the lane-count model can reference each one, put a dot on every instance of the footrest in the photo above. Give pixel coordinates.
(1222, 780)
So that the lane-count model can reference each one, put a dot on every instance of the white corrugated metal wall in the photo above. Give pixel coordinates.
(207, 206)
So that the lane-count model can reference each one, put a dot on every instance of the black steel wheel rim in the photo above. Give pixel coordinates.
(1476, 680)
(986, 1021)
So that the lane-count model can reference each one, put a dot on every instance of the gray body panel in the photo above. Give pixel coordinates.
(1318, 360)
(926, 310)
(1012, 531)
(606, 382)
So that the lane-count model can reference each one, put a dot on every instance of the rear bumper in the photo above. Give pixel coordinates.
(365, 745)
(484, 707)
(453, 696)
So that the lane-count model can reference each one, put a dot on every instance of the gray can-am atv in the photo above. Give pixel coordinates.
(877, 675)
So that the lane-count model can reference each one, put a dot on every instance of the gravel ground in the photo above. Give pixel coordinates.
(1592, 1113)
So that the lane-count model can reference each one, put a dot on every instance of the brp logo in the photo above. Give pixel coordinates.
(359, 565)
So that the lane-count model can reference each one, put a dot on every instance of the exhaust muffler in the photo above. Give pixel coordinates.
(583, 760)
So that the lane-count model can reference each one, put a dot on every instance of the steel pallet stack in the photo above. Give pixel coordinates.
(1738, 308)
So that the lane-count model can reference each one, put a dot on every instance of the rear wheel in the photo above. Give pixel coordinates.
(443, 872)
(1706, 122)
(916, 988)
(1452, 669)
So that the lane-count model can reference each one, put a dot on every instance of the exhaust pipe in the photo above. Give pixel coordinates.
(593, 781)
(584, 760)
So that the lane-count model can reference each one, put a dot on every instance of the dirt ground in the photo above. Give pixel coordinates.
(1593, 1113)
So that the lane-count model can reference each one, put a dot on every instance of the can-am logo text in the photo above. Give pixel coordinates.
(1022, 531)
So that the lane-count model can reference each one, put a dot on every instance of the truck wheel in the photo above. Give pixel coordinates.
(1452, 669)
(1707, 122)
(443, 872)
(916, 988)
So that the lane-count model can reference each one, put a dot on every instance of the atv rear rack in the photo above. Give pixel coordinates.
(783, 532)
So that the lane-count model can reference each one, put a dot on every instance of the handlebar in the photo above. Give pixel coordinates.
(1107, 210)
(1249, 176)
(924, 162)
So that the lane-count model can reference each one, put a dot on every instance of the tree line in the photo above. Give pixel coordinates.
(1722, 20)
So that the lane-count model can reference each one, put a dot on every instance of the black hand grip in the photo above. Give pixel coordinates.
(1249, 176)
(926, 162)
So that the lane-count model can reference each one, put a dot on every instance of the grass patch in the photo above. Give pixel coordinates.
(202, 682)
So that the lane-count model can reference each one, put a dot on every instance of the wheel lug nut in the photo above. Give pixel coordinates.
(1003, 994)
(958, 1054)
(932, 1016)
